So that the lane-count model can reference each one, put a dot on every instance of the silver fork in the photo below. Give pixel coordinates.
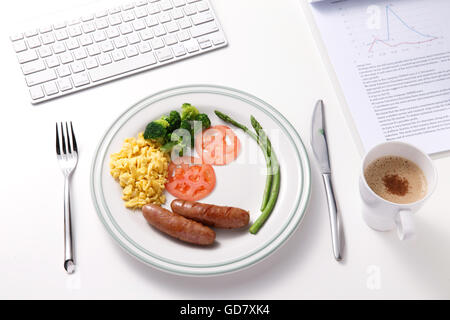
(67, 154)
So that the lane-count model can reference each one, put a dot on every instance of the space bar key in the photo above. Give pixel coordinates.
(122, 66)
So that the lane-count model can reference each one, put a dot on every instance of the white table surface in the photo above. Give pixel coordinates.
(273, 55)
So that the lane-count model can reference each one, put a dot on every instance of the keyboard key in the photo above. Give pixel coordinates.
(141, 3)
(140, 12)
(19, 46)
(47, 38)
(77, 66)
(128, 16)
(33, 42)
(113, 33)
(178, 50)
(123, 66)
(101, 24)
(91, 63)
(32, 67)
(79, 54)
(31, 33)
(66, 57)
(133, 38)
(45, 29)
(117, 56)
(157, 43)
(191, 46)
(202, 18)
(131, 51)
(65, 84)
(50, 88)
(184, 35)
(61, 34)
(45, 51)
(40, 77)
(171, 26)
(165, 5)
(144, 47)
(205, 44)
(120, 43)
(89, 27)
(52, 62)
(184, 23)
(36, 93)
(164, 54)
(72, 44)
(170, 39)
(139, 25)
(114, 20)
(189, 10)
(59, 25)
(153, 8)
(202, 6)
(177, 14)
(17, 36)
(80, 79)
(59, 47)
(27, 56)
(104, 59)
(99, 36)
(126, 28)
(106, 46)
(164, 17)
(63, 71)
(159, 31)
(203, 29)
(74, 31)
(217, 39)
(179, 3)
(93, 50)
(86, 40)
(151, 21)
(146, 34)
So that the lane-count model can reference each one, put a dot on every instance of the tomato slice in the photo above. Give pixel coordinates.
(190, 179)
(218, 145)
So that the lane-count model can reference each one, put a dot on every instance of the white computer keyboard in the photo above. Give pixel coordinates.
(66, 57)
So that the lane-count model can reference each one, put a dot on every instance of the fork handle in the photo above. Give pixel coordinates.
(69, 264)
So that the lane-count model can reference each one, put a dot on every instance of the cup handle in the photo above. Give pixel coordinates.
(405, 224)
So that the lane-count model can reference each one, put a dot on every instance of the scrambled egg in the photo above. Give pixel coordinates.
(141, 169)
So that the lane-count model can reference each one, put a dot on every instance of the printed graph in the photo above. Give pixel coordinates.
(399, 32)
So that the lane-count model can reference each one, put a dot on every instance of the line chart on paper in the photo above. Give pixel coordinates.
(390, 40)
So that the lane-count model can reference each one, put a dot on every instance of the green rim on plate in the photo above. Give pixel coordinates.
(172, 266)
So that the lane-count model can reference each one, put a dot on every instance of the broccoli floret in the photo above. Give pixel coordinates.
(206, 123)
(188, 112)
(163, 122)
(185, 125)
(155, 130)
(174, 120)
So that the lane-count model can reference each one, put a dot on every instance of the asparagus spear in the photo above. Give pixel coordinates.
(264, 148)
(275, 171)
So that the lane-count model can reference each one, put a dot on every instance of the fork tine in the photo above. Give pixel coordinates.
(74, 141)
(69, 148)
(63, 139)
(58, 150)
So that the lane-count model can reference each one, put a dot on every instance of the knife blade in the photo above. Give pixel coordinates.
(320, 149)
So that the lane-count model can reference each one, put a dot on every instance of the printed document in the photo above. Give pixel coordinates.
(392, 60)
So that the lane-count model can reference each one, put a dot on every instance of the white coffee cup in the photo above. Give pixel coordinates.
(383, 215)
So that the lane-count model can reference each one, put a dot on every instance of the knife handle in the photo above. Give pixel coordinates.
(332, 210)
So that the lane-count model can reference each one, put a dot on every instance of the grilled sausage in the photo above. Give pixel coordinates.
(211, 215)
(178, 226)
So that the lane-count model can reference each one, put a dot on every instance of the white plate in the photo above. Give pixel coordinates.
(239, 184)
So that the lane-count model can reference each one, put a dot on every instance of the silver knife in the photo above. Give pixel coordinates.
(320, 148)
